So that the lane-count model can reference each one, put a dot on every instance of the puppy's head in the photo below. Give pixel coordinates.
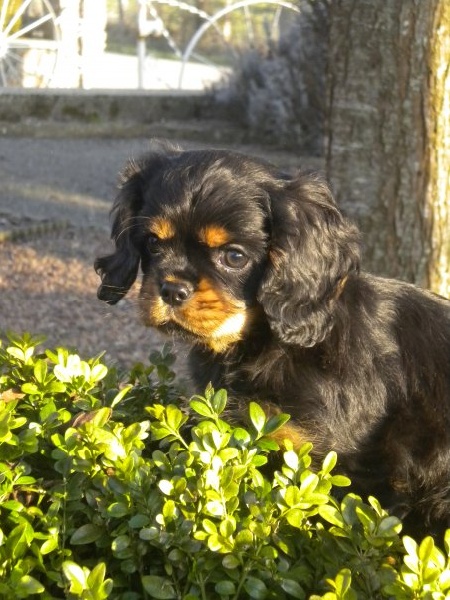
(225, 241)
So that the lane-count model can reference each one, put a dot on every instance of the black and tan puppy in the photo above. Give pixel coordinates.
(260, 271)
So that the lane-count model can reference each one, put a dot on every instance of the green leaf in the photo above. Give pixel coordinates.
(101, 416)
(227, 527)
(30, 389)
(426, 549)
(27, 586)
(340, 481)
(120, 543)
(366, 517)
(16, 353)
(293, 588)
(138, 521)
(56, 387)
(170, 510)
(219, 401)
(76, 576)
(100, 587)
(444, 580)
(255, 588)
(117, 510)
(291, 459)
(201, 408)
(98, 372)
(389, 526)
(157, 587)
(410, 545)
(209, 526)
(244, 537)
(175, 417)
(215, 508)
(19, 539)
(231, 562)
(348, 507)
(343, 583)
(227, 454)
(166, 487)
(86, 534)
(257, 417)
(49, 545)
(216, 543)
(447, 541)
(329, 462)
(40, 371)
(331, 515)
(309, 484)
(13, 505)
(225, 588)
(295, 517)
(275, 422)
(292, 496)
(267, 444)
(120, 395)
(241, 436)
(48, 409)
(149, 533)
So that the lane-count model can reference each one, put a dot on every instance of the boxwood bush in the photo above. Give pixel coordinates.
(115, 486)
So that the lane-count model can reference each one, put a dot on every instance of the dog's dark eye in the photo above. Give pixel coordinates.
(153, 243)
(233, 258)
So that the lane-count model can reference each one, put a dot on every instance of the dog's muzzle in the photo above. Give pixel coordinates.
(176, 293)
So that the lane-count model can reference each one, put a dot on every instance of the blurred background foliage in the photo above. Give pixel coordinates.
(275, 85)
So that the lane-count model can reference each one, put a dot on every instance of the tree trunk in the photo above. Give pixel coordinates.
(388, 141)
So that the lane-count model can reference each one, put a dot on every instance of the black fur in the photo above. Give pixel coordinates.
(361, 363)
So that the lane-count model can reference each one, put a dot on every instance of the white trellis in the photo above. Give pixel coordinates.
(29, 42)
(44, 47)
(40, 47)
(154, 24)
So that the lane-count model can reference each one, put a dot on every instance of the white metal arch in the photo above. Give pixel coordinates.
(211, 22)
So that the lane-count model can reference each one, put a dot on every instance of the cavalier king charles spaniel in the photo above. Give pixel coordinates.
(260, 272)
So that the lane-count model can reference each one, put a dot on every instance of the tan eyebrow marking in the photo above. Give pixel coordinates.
(163, 228)
(214, 236)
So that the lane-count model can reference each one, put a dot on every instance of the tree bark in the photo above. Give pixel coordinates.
(388, 132)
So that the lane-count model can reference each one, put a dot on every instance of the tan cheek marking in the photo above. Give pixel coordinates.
(153, 310)
(215, 318)
(163, 228)
(207, 309)
(214, 236)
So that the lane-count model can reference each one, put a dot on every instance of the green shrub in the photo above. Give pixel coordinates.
(111, 488)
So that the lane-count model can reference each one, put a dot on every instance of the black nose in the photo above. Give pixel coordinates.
(175, 293)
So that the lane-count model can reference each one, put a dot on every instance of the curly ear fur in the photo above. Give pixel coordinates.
(313, 250)
(119, 270)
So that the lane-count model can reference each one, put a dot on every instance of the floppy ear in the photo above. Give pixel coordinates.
(313, 250)
(119, 270)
